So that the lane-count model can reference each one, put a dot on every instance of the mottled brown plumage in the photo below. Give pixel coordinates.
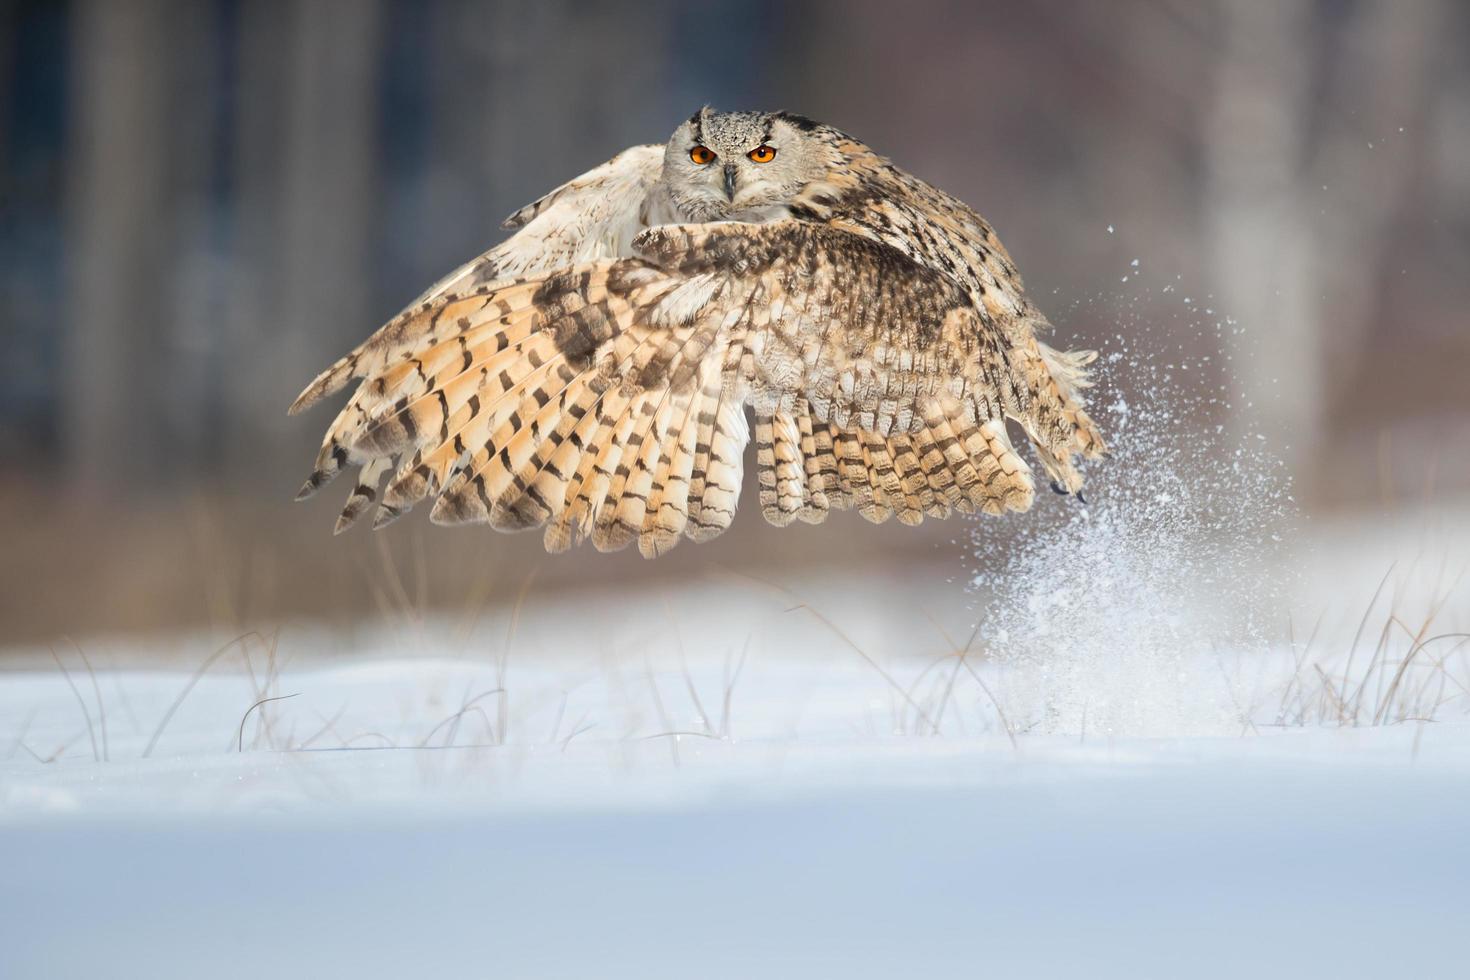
(591, 374)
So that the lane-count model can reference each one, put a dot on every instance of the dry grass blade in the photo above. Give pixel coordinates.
(677, 735)
(1403, 678)
(959, 665)
(999, 711)
(579, 729)
(1386, 702)
(799, 604)
(1330, 690)
(502, 662)
(25, 729)
(453, 719)
(96, 693)
(658, 703)
(730, 681)
(684, 668)
(960, 655)
(189, 686)
(328, 725)
(1363, 623)
(240, 742)
(96, 756)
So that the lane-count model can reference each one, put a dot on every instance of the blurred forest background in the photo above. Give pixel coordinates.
(203, 202)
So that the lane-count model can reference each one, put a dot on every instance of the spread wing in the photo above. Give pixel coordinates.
(607, 400)
(594, 216)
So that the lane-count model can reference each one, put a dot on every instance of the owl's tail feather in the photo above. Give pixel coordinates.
(784, 492)
(944, 487)
(819, 465)
(918, 495)
(886, 496)
(996, 478)
(666, 512)
(948, 463)
(719, 481)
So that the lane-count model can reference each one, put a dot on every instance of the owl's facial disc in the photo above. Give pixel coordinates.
(741, 166)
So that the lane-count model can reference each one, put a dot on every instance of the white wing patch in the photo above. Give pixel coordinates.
(688, 299)
(594, 216)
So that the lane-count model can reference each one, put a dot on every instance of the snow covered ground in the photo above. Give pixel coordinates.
(718, 782)
(1332, 855)
(1179, 732)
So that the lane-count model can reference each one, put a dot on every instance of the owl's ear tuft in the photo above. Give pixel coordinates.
(796, 119)
(697, 120)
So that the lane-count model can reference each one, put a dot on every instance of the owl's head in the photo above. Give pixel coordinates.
(744, 165)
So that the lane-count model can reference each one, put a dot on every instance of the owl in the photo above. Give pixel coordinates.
(591, 375)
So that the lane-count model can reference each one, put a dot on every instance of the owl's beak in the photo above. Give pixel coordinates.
(730, 181)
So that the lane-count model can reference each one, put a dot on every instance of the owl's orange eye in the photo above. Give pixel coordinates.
(762, 154)
(701, 155)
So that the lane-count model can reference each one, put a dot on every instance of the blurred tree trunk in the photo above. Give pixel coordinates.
(189, 331)
(1305, 182)
(556, 89)
(116, 424)
(1264, 275)
(307, 142)
(1367, 168)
